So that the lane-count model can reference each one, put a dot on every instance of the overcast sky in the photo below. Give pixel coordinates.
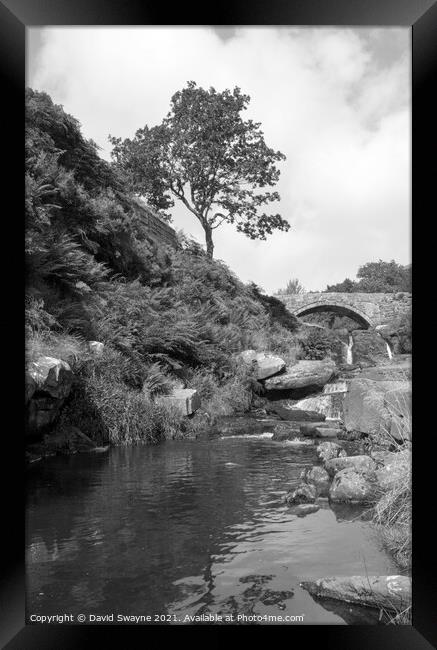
(336, 102)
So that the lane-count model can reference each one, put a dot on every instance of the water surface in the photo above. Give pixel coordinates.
(187, 528)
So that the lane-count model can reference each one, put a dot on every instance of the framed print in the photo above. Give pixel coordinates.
(218, 323)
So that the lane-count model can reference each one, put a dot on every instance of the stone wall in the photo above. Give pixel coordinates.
(373, 309)
(157, 229)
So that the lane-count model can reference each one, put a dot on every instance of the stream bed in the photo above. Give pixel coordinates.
(189, 528)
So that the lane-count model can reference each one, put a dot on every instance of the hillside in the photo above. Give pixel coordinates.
(166, 316)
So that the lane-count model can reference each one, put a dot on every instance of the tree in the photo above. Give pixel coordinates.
(347, 286)
(382, 276)
(293, 287)
(206, 156)
(375, 277)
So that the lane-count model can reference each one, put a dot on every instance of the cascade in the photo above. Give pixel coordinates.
(389, 352)
(349, 356)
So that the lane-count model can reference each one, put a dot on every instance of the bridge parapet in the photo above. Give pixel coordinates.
(370, 309)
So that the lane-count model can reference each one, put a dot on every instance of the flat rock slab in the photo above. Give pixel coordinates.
(186, 400)
(326, 432)
(389, 592)
(302, 374)
(294, 415)
(264, 364)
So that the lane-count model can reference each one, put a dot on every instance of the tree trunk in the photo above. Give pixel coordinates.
(209, 242)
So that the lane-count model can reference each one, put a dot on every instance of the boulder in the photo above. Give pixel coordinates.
(359, 463)
(51, 376)
(364, 408)
(385, 592)
(327, 450)
(319, 477)
(369, 346)
(302, 374)
(326, 432)
(186, 400)
(304, 493)
(48, 383)
(354, 486)
(304, 509)
(96, 347)
(394, 470)
(264, 364)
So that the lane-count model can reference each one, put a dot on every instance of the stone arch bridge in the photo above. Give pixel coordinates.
(368, 309)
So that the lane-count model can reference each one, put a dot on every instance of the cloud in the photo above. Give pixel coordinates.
(333, 100)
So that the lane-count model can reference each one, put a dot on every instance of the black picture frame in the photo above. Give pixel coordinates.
(15, 16)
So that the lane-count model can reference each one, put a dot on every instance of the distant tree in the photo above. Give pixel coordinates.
(375, 277)
(347, 286)
(293, 287)
(384, 276)
(207, 157)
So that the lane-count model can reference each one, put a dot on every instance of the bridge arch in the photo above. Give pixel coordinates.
(337, 307)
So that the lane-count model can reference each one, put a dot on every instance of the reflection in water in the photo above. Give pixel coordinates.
(185, 528)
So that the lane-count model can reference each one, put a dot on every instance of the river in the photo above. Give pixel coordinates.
(188, 528)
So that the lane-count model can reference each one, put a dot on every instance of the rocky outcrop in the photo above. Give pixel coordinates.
(386, 592)
(48, 383)
(293, 415)
(319, 477)
(185, 400)
(369, 347)
(327, 450)
(358, 463)
(263, 364)
(354, 486)
(303, 374)
(376, 406)
(364, 409)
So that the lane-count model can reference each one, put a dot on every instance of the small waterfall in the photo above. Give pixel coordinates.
(349, 355)
(389, 352)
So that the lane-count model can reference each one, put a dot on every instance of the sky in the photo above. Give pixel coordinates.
(335, 101)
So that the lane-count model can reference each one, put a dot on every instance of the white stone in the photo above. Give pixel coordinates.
(186, 400)
(96, 347)
(264, 364)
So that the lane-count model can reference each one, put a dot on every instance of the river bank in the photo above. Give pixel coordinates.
(359, 476)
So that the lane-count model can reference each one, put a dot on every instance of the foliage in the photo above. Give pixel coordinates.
(276, 309)
(405, 334)
(206, 156)
(92, 273)
(375, 277)
(292, 287)
(315, 343)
